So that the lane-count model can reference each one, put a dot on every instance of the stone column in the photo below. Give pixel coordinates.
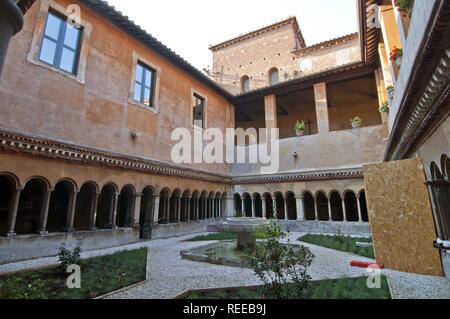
(270, 108)
(179, 209)
(360, 220)
(12, 214)
(71, 211)
(113, 212)
(264, 208)
(253, 206)
(320, 95)
(344, 210)
(93, 210)
(167, 209)
(213, 208)
(44, 212)
(136, 210)
(286, 217)
(229, 210)
(330, 215)
(244, 213)
(156, 198)
(300, 208)
(316, 210)
(188, 209)
(205, 208)
(196, 211)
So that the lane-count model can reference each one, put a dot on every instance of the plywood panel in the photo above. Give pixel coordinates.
(401, 218)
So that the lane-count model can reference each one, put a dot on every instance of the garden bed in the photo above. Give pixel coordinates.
(341, 243)
(345, 288)
(99, 276)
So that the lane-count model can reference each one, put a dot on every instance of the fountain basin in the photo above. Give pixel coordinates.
(245, 228)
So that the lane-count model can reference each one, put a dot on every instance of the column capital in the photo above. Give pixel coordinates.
(138, 195)
(156, 195)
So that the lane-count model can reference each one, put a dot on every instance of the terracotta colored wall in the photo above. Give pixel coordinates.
(97, 114)
(401, 218)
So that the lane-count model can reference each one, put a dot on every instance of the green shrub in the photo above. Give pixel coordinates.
(67, 257)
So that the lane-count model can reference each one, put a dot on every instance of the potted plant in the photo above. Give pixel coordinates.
(356, 122)
(404, 6)
(384, 108)
(390, 90)
(11, 22)
(299, 128)
(397, 56)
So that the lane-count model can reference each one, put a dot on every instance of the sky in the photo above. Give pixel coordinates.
(190, 27)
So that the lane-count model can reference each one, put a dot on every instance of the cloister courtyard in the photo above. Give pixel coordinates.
(169, 276)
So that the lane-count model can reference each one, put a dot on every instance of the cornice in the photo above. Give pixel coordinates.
(332, 174)
(326, 44)
(46, 148)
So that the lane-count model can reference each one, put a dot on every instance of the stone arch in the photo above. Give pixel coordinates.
(174, 207)
(351, 206)
(203, 205)
(185, 206)
(337, 211)
(61, 201)
(194, 211)
(258, 205)
(274, 76)
(245, 84)
(445, 167)
(436, 174)
(126, 205)
(322, 206)
(164, 205)
(309, 205)
(363, 206)
(238, 209)
(31, 206)
(107, 206)
(291, 206)
(279, 201)
(86, 206)
(247, 203)
(146, 212)
(210, 205)
(269, 205)
(9, 183)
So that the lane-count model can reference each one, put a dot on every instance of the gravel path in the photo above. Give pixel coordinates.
(169, 275)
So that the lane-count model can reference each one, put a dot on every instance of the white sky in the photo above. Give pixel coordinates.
(190, 27)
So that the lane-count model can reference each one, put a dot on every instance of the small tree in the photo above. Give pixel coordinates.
(281, 267)
(67, 257)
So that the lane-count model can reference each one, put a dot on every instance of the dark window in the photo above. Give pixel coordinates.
(144, 84)
(274, 78)
(245, 84)
(199, 111)
(60, 44)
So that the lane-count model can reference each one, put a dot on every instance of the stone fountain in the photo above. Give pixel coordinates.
(231, 252)
(245, 228)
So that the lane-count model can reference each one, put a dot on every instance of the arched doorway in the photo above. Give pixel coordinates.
(125, 207)
(363, 205)
(85, 207)
(238, 209)
(309, 205)
(258, 205)
(185, 206)
(203, 205)
(269, 205)
(174, 210)
(107, 205)
(164, 203)
(337, 212)
(279, 201)
(291, 206)
(322, 206)
(31, 204)
(247, 199)
(351, 206)
(146, 213)
(8, 185)
(60, 206)
(195, 205)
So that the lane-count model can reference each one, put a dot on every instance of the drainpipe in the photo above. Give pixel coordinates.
(11, 22)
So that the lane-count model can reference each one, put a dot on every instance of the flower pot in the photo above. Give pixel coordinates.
(11, 22)
(398, 60)
(300, 133)
(356, 124)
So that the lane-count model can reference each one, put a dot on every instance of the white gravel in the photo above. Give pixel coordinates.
(169, 275)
